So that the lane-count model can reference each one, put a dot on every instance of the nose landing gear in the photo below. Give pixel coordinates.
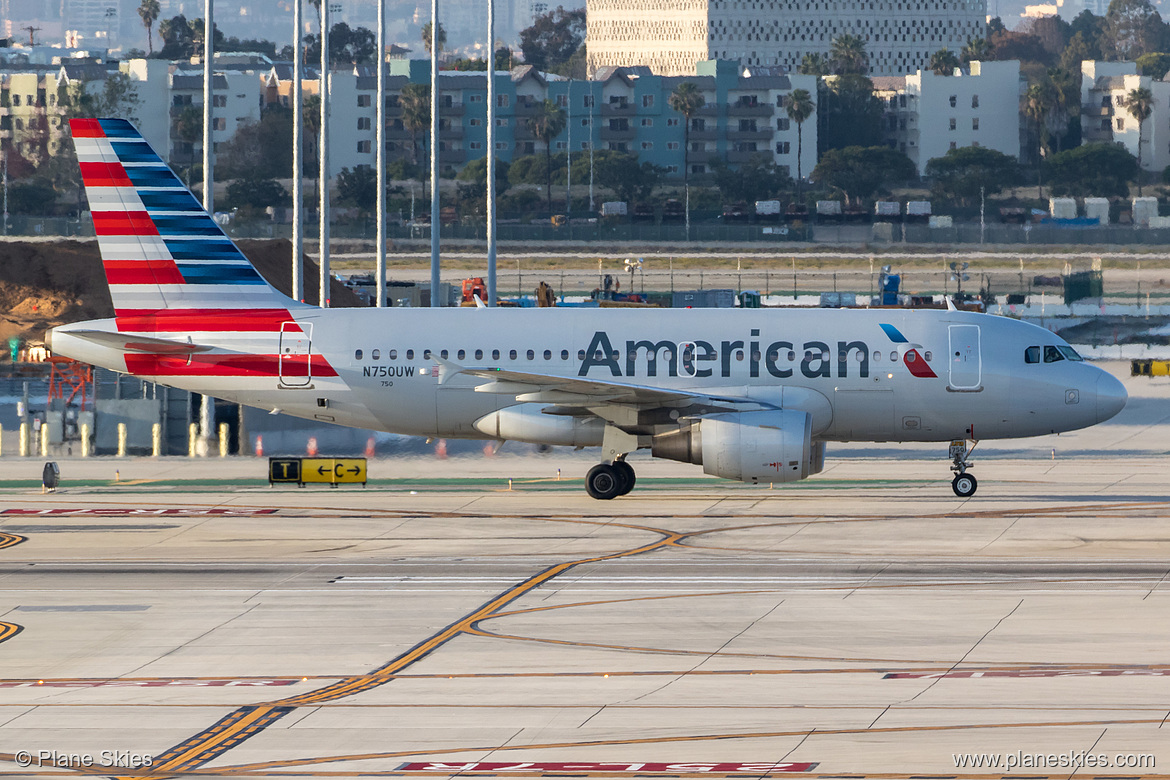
(963, 484)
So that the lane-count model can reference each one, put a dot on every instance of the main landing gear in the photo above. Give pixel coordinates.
(610, 480)
(964, 484)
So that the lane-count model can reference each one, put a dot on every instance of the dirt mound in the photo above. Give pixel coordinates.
(48, 283)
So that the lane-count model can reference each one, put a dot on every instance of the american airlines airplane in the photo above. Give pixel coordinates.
(750, 395)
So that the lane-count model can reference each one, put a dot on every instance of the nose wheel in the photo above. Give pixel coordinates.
(610, 480)
(964, 484)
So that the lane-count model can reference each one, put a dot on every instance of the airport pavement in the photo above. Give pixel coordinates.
(865, 623)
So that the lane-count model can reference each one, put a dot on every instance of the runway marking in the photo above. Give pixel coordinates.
(249, 721)
(242, 769)
(9, 630)
(11, 540)
(160, 683)
(164, 512)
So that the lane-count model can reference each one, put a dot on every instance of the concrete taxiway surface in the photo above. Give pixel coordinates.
(865, 623)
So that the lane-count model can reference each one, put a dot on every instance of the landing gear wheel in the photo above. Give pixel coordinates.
(964, 485)
(604, 482)
(626, 472)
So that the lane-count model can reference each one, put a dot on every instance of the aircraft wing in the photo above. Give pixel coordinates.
(578, 392)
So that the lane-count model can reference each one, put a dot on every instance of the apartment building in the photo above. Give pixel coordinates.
(670, 36)
(1105, 117)
(926, 114)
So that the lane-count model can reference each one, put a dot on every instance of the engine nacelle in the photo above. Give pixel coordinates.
(528, 422)
(765, 446)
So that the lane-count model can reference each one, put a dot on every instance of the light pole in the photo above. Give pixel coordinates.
(491, 154)
(323, 176)
(380, 158)
(435, 153)
(208, 99)
(298, 172)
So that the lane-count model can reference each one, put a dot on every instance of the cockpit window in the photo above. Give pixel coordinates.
(1032, 355)
(1070, 353)
(1052, 354)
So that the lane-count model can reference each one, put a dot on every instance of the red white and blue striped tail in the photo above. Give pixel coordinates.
(170, 267)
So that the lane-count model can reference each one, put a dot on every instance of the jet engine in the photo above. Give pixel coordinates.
(764, 446)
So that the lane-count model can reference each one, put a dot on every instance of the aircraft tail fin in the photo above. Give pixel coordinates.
(169, 265)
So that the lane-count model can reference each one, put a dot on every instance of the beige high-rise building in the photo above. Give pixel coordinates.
(670, 36)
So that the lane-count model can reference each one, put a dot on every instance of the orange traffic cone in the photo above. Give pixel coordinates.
(259, 446)
(311, 449)
(441, 449)
(370, 447)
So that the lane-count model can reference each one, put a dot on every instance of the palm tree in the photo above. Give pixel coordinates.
(687, 99)
(1140, 103)
(813, 64)
(943, 62)
(1037, 104)
(977, 49)
(799, 106)
(848, 55)
(149, 11)
(426, 36)
(416, 114)
(546, 124)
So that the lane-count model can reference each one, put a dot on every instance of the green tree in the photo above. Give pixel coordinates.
(848, 113)
(347, 46)
(860, 171)
(415, 100)
(1140, 104)
(1154, 64)
(757, 179)
(1132, 28)
(31, 196)
(847, 54)
(976, 50)
(1104, 169)
(358, 187)
(965, 173)
(621, 173)
(177, 38)
(943, 62)
(813, 64)
(687, 99)
(554, 38)
(799, 106)
(259, 149)
(149, 10)
(255, 195)
(426, 37)
(546, 124)
(475, 172)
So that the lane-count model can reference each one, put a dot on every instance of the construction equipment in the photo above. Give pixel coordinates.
(474, 287)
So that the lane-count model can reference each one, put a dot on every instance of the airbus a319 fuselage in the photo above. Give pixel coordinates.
(749, 394)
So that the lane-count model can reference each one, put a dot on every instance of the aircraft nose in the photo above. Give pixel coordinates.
(1111, 396)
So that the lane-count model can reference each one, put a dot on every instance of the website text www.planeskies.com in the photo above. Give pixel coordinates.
(1079, 759)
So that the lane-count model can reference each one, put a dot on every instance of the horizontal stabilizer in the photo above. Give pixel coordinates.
(132, 343)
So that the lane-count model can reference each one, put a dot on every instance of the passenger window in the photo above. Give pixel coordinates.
(1032, 355)
(495, 354)
(531, 355)
(511, 354)
(580, 354)
(479, 354)
(1052, 354)
(893, 356)
(548, 354)
(773, 354)
(392, 354)
(426, 354)
(460, 354)
(928, 356)
(565, 354)
(877, 357)
(410, 354)
(443, 354)
(357, 354)
(375, 354)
